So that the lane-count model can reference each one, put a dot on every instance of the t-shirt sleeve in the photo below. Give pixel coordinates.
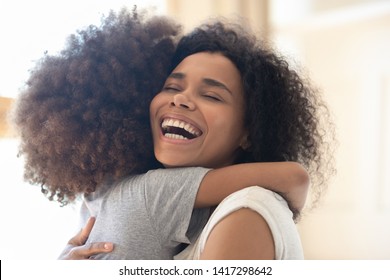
(170, 196)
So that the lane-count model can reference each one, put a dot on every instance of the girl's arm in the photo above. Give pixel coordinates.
(287, 178)
(77, 249)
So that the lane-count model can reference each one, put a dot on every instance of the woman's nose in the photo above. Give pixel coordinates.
(181, 100)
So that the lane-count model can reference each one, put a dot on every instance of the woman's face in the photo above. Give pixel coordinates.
(198, 117)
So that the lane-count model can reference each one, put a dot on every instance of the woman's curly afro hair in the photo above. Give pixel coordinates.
(285, 116)
(84, 114)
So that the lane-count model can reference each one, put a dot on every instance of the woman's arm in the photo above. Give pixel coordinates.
(287, 178)
(242, 235)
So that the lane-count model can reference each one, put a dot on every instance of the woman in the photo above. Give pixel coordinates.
(222, 75)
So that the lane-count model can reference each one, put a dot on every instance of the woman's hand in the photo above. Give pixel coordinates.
(76, 249)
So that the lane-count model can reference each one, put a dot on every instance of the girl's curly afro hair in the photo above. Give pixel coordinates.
(84, 114)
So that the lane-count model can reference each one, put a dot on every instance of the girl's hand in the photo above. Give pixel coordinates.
(76, 249)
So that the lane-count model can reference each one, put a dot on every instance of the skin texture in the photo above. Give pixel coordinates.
(244, 234)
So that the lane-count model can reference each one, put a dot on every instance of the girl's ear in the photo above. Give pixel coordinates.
(245, 143)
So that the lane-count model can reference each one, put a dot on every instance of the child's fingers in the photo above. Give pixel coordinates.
(89, 250)
(80, 238)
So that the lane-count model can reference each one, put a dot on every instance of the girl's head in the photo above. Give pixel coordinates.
(84, 115)
(277, 113)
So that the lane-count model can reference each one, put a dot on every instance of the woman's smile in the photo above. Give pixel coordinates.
(175, 128)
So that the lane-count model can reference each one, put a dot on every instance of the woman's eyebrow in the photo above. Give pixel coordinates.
(177, 75)
(207, 81)
(215, 83)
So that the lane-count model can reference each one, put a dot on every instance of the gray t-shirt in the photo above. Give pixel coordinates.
(147, 216)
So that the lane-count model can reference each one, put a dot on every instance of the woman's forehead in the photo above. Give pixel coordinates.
(209, 67)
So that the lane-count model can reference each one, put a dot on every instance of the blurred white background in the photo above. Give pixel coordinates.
(344, 46)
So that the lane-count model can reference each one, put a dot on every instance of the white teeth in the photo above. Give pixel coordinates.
(181, 124)
(174, 136)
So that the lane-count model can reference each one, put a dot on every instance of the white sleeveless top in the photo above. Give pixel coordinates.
(271, 206)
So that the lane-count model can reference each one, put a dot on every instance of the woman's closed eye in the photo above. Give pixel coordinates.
(171, 88)
(213, 97)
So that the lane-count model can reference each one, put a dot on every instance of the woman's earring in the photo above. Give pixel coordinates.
(245, 144)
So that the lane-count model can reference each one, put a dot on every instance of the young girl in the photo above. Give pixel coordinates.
(85, 130)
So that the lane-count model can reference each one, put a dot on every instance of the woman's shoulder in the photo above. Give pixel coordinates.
(254, 197)
(269, 211)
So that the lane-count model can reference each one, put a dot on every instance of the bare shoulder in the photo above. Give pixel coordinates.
(243, 234)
